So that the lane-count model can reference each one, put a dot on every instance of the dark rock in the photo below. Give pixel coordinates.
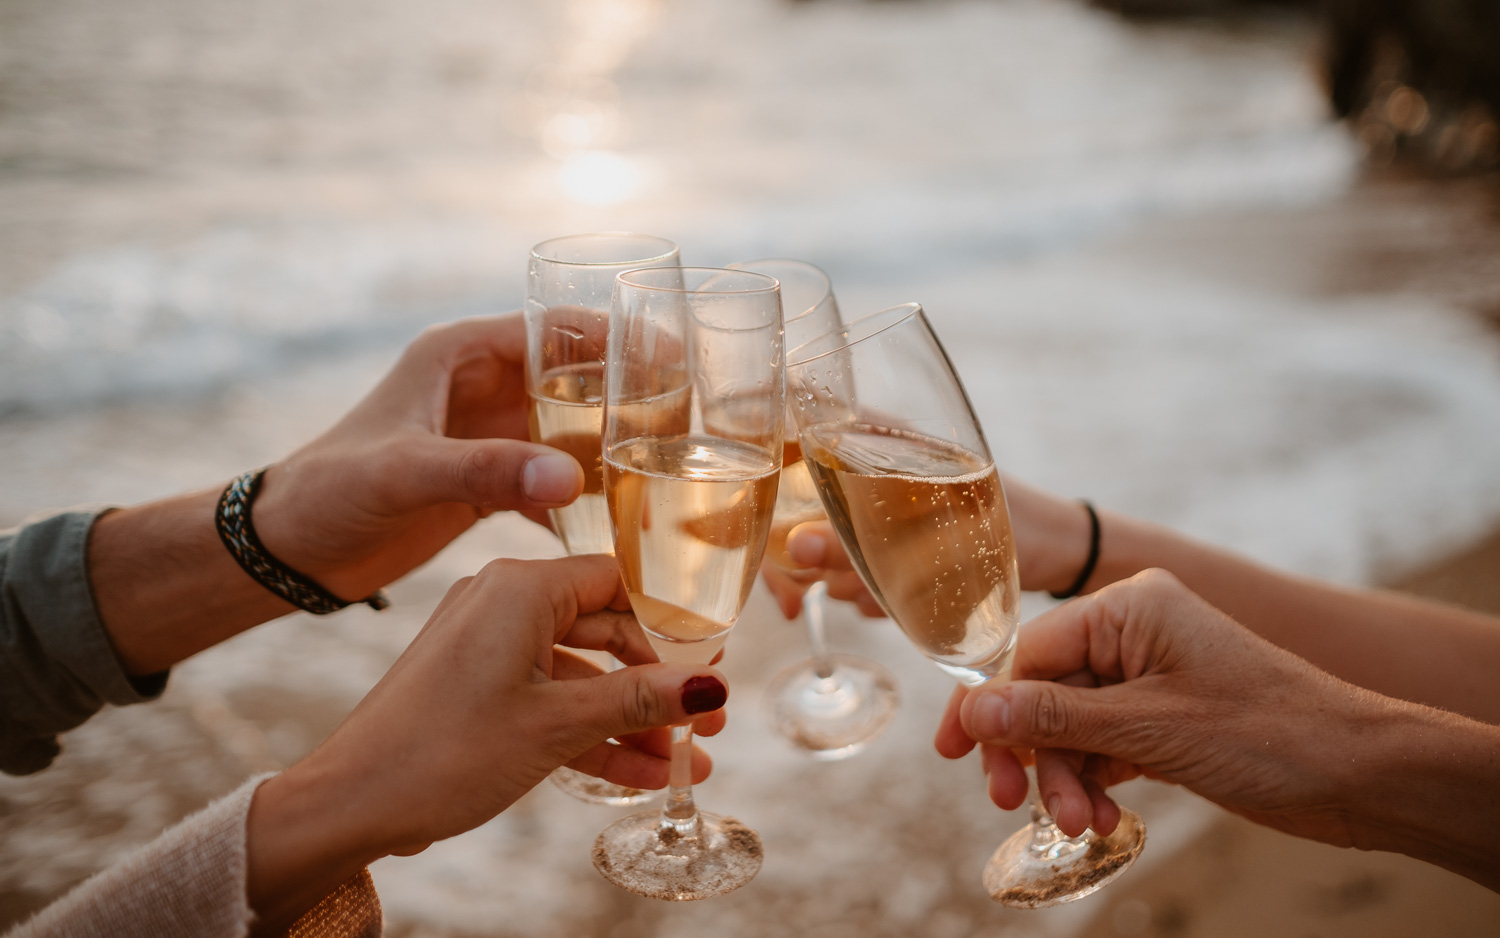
(1418, 78)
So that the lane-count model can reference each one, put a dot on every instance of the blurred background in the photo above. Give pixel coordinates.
(1231, 266)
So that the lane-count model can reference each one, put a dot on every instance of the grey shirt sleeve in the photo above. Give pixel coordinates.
(57, 667)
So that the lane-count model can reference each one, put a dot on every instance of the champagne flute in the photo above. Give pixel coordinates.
(694, 417)
(909, 485)
(569, 284)
(831, 705)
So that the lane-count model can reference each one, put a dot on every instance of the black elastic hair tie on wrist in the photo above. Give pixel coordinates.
(1089, 564)
(232, 519)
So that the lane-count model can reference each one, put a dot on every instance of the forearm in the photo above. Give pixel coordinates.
(1424, 783)
(1396, 645)
(165, 586)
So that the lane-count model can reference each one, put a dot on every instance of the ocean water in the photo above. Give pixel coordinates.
(195, 191)
(220, 222)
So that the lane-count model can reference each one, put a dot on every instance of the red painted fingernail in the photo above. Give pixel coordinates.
(702, 694)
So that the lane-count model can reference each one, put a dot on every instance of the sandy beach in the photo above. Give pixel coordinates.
(1165, 276)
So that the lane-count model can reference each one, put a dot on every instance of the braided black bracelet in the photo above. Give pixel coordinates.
(232, 519)
(1089, 564)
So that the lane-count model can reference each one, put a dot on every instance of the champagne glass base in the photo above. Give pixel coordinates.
(1040, 866)
(832, 717)
(586, 787)
(647, 855)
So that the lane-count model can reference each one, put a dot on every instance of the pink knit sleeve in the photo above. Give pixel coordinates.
(190, 883)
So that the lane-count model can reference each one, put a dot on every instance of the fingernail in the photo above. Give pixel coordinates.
(1054, 801)
(550, 478)
(806, 548)
(702, 694)
(990, 718)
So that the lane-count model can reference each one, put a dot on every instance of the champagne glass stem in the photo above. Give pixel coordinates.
(817, 633)
(1046, 836)
(830, 705)
(1041, 821)
(680, 812)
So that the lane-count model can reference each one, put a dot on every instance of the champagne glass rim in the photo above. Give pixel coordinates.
(759, 283)
(796, 262)
(546, 250)
(859, 330)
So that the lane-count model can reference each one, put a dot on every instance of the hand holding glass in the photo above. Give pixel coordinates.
(694, 418)
(570, 283)
(830, 705)
(909, 485)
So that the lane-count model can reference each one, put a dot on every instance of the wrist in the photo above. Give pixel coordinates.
(1059, 546)
(284, 530)
(1079, 584)
(304, 837)
(264, 532)
(1420, 782)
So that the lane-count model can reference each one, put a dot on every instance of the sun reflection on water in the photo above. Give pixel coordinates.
(571, 105)
(600, 177)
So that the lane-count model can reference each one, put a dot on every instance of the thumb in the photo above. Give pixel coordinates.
(1045, 715)
(643, 697)
(813, 545)
(497, 475)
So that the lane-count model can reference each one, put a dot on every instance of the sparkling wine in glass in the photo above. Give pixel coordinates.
(569, 284)
(909, 485)
(831, 705)
(693, 428)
